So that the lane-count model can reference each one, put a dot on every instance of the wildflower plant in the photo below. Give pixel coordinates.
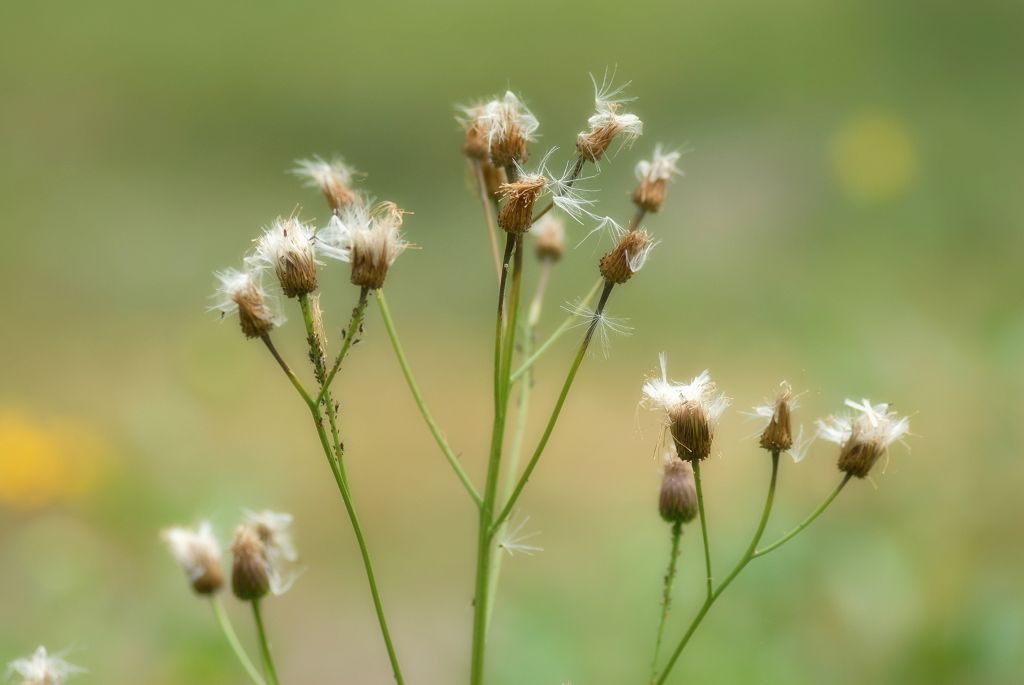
(527, 211)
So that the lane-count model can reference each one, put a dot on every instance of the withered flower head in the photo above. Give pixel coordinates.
(653, 177)
(692, 410)
(250, 574)
(474, 123)
(261, 547)
(607, 122)
(550, 235)
(777, 436)
(333, 178)
(366, 236)
(863, 436)
(198, 553)
(287, 247)
(241, 292)
(677, 501)
(516, 215)
(42, 669)
(508, 126)
(627, 257)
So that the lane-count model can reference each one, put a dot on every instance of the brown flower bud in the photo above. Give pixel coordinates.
(653, 176)
(550, 235)
(376, 244)
(198, 553)
(250, 576)
(254, 316)
(333, 178)
(777, 436)
(626, 258)
(516, 215)
(605, 125)
(677, 501)
(691, 429)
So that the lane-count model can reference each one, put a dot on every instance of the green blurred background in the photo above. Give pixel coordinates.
(850, 221)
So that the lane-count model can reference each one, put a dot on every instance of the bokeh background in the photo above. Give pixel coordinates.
(850, 220)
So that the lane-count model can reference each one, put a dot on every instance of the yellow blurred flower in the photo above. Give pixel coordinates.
(42, 463)
(873, 157)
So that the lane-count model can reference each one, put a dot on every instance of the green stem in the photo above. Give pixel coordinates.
(337, 469)
(350, 338)
(744, 560)
(485, 537)
(236, 646)
(268, 660)
(703, 524)
(453, 460)
(553, 419)
(562, 328)
(666, 594)
(522, 413)
(807, 521)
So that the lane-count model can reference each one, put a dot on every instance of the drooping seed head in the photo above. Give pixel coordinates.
(42, 669)
(677, 500)
(550, 236)
(242, 292)
(692, 410)
(864, 435)
(198, 553)
(516, 215)
(287, 246)
(627, 257)
(654, 177)
(333, 178)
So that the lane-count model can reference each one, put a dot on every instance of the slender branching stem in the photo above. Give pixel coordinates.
(807, 521)
(236, 646)
(703, 525)
(522, 413)
(351, 335)
(403, 362)
(553, 419)
(562, 328)
(638, 216)
(503, 347)
(492, 231)
(296, 383)
(337, 470)
(744, 560)
(261, 631)
(666, 594)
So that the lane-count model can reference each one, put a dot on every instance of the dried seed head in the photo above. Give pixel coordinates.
(628, 257)
(42, 669)
(366, 236)
(493, 177)
(654, 177)
(550, 235)
(516, 215)
(287, 247)
(333, 178)
(863, 436)
(777, 436)
(475, 126)
(692, 410)
(607, 122)
(250, 575)
(677, 501)
(509, 126)
(241, 292)
(198, 553)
